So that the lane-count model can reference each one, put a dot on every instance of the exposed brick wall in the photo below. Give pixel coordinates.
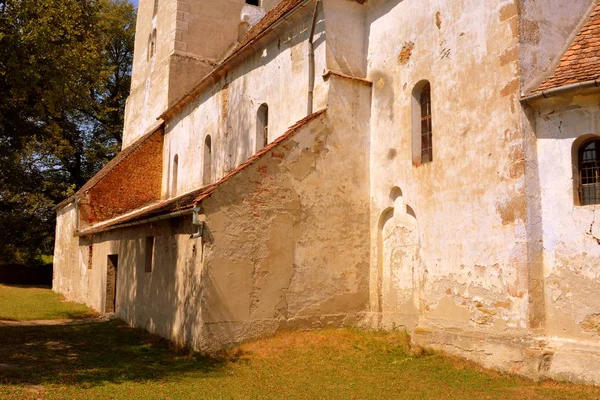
(133, 183)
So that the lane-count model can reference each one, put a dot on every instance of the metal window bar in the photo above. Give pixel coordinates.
(426, 125)
(589, 173)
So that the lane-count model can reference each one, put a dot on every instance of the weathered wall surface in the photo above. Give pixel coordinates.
(570, 238)
(67, 271)
(546, 29)
(150, 75)
(276, 75)
(191, 37)
(291, 233)
(265, 261)
(449, 242)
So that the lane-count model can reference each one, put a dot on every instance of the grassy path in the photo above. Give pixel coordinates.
(18, 303)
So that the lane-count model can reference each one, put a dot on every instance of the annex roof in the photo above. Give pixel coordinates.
(189, 200)
(581, 62)
(119, 158)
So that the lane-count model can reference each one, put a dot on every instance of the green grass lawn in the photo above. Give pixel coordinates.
(108, 360)
(31, 303)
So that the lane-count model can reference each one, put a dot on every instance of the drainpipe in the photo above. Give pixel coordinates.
(561, 90)
(311, 59)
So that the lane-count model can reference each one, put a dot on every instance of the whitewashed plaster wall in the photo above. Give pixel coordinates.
(469, 202)
(277, 75)
(570, 231)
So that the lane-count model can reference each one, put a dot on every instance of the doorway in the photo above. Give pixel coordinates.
(112, 266)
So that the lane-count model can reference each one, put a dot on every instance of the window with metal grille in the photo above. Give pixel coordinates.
(589, 172)
(426, 131)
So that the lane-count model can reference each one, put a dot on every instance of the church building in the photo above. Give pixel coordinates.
(425, 165)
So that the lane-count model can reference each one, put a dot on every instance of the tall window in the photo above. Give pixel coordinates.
(149, 254)
(422, 127)
(155, 8)
(152, 45)
(174, 176)
(589, 172)
(426, 132)
(207, 170)
(262, 127)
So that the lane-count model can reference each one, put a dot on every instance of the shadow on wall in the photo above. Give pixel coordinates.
(98, 353)
(14, 274)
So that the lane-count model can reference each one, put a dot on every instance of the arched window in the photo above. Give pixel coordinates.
(152, 45)
(588, 165)
(174, 176)
(422, 127)
(155, 8)
(262, 127)
(207, 157)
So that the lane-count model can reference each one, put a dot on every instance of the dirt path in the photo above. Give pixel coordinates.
(54, 322)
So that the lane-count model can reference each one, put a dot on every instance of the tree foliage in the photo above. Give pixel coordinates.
(65, 69)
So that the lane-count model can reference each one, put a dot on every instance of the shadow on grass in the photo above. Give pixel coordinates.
(92, 354)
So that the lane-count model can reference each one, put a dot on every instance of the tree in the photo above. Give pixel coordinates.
(65, 69)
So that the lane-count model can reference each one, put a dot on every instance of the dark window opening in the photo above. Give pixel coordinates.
(90, 255)
(207, 170)
(262, 127)
(253, 2)
(112, 268)
(149, 253)
(426, 126)
(152, 45)
(589, 173)
(174, 177)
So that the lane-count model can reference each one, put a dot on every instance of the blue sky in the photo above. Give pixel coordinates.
(135, 2)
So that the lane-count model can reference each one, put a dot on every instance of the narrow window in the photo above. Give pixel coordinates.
(155, 8)
(253, 2)
(149, 253)
(589, 172)
(207, 157)
(174, 177)
(426, 132)
(152, 45)
(262, 127)
(90, 255)
(422, 128)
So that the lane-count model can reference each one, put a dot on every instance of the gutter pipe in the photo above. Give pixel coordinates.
(562, 90)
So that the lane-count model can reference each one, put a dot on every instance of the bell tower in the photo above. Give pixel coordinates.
(177, 43)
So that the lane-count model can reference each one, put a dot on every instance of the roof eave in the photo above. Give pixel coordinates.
(562, 90)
